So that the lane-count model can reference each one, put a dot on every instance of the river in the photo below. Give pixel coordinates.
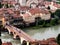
(39, 34)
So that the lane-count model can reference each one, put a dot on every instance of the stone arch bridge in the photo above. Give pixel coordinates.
(25, 39)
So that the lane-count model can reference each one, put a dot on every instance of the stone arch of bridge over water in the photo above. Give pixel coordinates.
(11, 33)
(24, 42)
(17, 37)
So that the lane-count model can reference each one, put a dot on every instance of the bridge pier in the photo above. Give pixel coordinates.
(23, 42)
(22, 39)
(14, 36)
(27, 43)
(9, 32)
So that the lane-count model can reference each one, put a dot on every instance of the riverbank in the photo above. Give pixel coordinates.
(41, 24)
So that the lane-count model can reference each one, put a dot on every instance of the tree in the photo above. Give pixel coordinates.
(58, 39)
(0, 42)
(0, 5)
(37, 19)
(57, 13)
(58, 0)
(49, 0)
(53, 22)
(0, 32)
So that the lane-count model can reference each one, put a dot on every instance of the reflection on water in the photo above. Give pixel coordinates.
(39, 34)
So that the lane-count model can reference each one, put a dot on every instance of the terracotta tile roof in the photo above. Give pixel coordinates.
(51, 40)
(26, 15)
(10, 11)
(45, 11)
(34, 3)
(37, 10)
(24, 8)
(8, 43)
(1, 11)
(44, 42)
(34, 10)
(47, 3)
(36, 41)
(53, 43)
(41, 4)
(12, 2)
(5, 0)
(9, 1)
(16, 16)
(56, 5)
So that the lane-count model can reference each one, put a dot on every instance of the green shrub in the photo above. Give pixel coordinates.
(52, 22)
(58, 39)
(57, 13)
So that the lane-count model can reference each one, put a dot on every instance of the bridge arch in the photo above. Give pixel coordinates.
(17, 37)
(5, 29)
(14, 32)
(8, 31)
(11, 33)
(14, 35)
(24, 42)
(18, 33)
